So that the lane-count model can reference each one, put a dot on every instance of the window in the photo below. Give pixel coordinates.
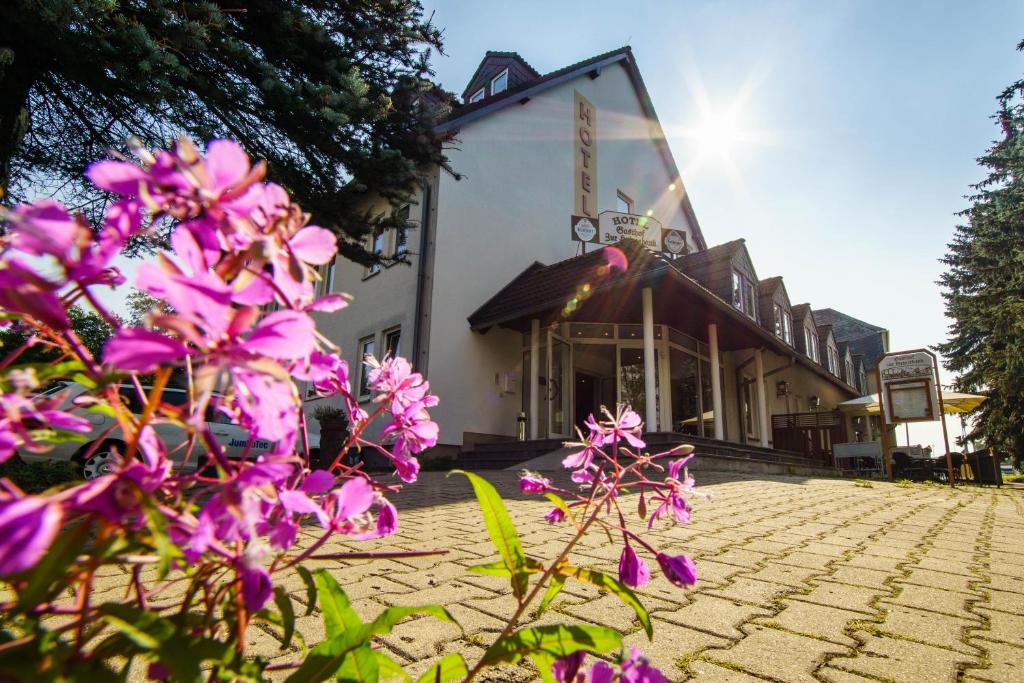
(328, 282)
(787, 327)
(811, 341)
(366, 348)
(623, 204)
(737, 291)
(392, 338)
(376, 247)
(499, 83)
(402, 234)
(849, 373)
(777, 314)
(751, 307)
(477, 96)
(833, 361)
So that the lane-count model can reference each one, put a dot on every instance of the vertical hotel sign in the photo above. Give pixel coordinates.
(585, 135)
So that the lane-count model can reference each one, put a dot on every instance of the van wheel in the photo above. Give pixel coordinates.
(104, 461)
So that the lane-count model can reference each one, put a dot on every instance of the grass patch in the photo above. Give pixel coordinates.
(863, 483)
(1013, 478)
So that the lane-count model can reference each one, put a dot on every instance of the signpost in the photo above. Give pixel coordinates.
(909, 391)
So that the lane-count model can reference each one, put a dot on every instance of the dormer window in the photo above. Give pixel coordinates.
(499, 83)
(787, 327)
(849, 373)
(777, 314)
(737, 290)
(811, 342)
(751, 302)
(623, 203)
(477, 96)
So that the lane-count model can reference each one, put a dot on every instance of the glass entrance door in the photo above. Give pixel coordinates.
(559, 387)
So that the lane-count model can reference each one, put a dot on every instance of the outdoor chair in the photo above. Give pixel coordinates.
(904, 467)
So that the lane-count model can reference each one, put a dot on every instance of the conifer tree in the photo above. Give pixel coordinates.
(984, 286)
(329, 92)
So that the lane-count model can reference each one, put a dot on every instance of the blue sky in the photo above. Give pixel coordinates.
(854, 127)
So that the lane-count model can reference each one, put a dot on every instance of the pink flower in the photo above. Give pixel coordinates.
(601, 672)
(28, 526)
(633, 570)
(679, 569)
(533, 484)
(44, 228)
(555, 516)
(627, 426)
(636, 669)
(21, 418)
(564, 670)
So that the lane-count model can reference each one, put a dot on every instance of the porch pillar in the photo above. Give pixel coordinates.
(762, 398)
(651, 416)
(716, 382)
(534, 377)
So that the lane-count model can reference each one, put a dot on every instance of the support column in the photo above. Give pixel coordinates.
(534, 377)
(651, 409)
(716, 382)
(762, 397)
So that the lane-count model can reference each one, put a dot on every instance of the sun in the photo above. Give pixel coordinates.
(719, 135)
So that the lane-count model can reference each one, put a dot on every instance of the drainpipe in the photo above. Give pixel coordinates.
(762, 399)
(419, 359)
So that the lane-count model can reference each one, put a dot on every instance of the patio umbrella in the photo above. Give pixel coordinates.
(952, 401)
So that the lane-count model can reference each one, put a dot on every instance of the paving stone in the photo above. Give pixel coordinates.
(808, 560)
(786, 574)
(816, 621)
(932, 599)
(1004, 627)
(897, 660)
(853, 598)
(1004, 601)
(776, 654)
(672, 644)
(761, 593)
(706, 672)
(859, 576)
(1006, 663)
(929, 627)
(886, 564)
(948, 581)
(710, 613)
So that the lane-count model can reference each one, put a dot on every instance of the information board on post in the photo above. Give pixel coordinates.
(908, 387)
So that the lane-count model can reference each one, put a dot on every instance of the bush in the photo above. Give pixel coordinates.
(38, 476)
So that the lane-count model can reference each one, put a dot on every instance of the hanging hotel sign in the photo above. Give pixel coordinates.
(907, 387)
(611, 226)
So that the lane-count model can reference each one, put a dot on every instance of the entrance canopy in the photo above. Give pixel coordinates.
(953, 402)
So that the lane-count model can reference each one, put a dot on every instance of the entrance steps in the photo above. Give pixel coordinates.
(711, 455)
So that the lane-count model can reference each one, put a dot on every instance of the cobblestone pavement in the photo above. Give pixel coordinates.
(800, 580)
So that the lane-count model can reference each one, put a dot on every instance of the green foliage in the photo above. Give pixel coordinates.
(347, 653)
(502, 531)
(452, 667)
(37, 477)
(984, 286)
(545, 644)
(614, 586)
(90, 328)
(334, 94)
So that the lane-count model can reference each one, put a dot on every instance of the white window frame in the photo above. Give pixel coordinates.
(367, 346)
(478, 95)
(737, 290)
(621, 196)
(787, 329)
(751, 296)
(387, 335)
(329, 270)
(495, 91)
(378, 233)
(777, 316)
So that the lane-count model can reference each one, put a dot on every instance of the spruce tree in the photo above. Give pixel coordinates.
(334, 94)
(984, 286)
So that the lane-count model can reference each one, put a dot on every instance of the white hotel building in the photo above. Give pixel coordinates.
(500, 277)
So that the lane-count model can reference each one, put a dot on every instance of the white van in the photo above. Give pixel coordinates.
(104, 459)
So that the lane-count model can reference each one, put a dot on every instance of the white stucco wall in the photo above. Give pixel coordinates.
(511, 208)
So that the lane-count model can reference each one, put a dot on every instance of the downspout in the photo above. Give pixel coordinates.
(421, 290)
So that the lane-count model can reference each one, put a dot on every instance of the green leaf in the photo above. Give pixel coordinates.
(167, 551)
(561, 505)
(389, 668)
(284, 606)
(390, 617)
(502, 532)
(329, 656)
(556, 641)
(554, 588)
(307, 579)
(54, 564)
(339, 616)
(613, 585)
(451, 668)
(147, 630)
(360, 664)
(533, 566)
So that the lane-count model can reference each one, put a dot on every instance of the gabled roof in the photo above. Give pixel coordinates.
(801, 311)
(766, 291)
(522, 93)
(495, 62)
(713, 267)
(864, 338)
